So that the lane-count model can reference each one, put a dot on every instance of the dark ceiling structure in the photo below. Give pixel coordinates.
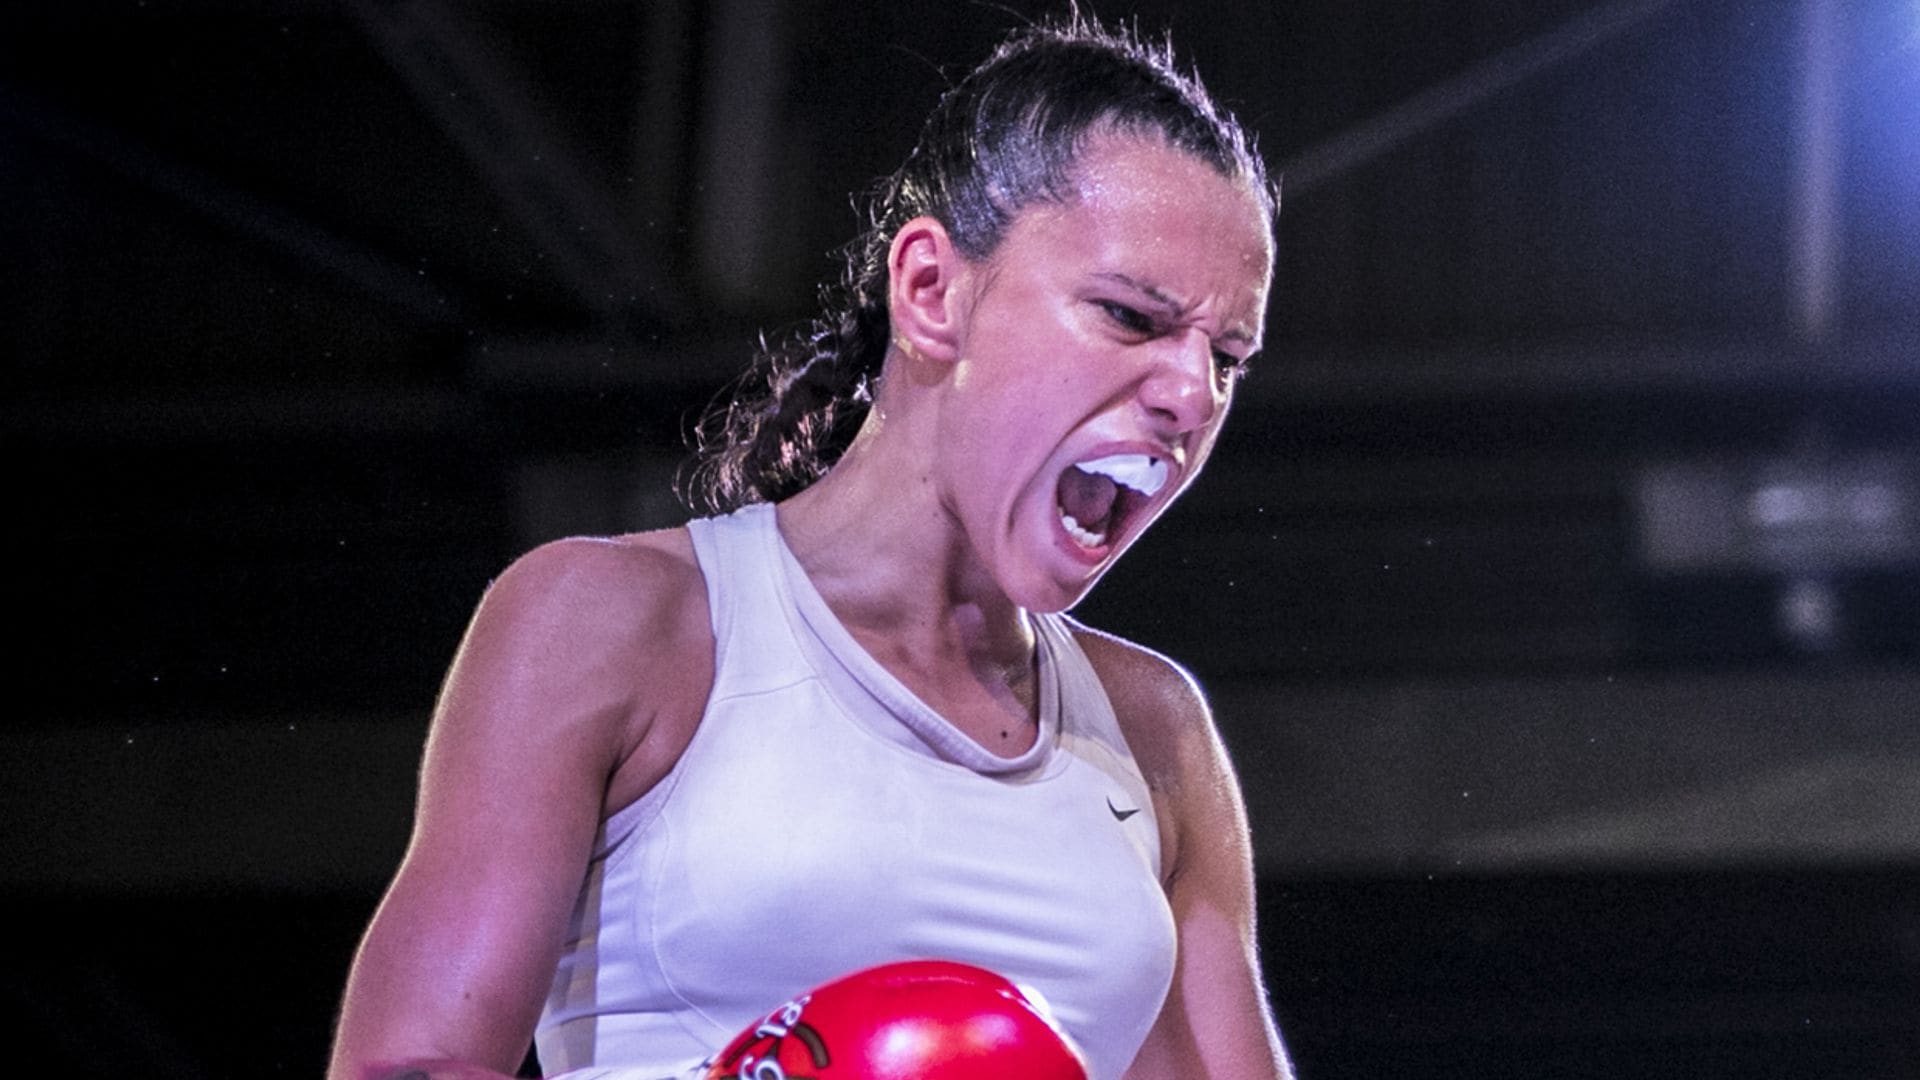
(329, 287)
(1582, 468)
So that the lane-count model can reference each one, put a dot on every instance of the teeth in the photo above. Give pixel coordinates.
(1144, 474)
(1085, 537)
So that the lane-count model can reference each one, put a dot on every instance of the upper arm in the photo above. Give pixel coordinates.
(1216, 1023)
(555, 691)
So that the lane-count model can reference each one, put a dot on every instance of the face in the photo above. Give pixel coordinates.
(1097, 357)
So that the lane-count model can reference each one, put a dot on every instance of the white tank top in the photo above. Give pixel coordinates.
(824, 819)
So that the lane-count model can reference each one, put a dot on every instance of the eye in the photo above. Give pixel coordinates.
(1228, 364)
(1129, 319)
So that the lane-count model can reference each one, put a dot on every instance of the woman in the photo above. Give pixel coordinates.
(675, 778)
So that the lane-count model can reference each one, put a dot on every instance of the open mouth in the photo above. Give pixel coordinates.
(1097, 497)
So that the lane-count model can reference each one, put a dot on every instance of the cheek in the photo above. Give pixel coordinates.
(993, 444)
(1204, 448)
(1019, 381)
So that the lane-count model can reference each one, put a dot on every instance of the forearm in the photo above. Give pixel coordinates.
(425, 1003)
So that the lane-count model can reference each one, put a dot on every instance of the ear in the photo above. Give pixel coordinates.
(926, 300)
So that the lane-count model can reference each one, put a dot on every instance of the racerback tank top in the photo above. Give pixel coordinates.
(824, 819)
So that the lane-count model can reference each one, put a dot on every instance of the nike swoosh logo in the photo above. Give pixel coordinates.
(1119, 814)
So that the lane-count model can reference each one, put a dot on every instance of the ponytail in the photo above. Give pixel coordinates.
(796, 409)
(1007, 136)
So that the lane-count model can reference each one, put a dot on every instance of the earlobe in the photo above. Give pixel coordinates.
(925, 302)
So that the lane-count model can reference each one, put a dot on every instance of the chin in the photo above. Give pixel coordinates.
(1049, 596)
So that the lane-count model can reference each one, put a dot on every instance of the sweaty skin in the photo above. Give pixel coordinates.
(1111, 323)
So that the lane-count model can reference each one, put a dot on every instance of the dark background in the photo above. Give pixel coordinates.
(1555, 585)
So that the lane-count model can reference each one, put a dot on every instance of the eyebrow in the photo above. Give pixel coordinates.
(1160, 296)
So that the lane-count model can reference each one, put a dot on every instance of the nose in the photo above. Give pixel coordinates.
(1183, 391)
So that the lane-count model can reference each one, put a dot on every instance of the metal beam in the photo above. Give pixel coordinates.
(491, 116)
(1453, 97)
(736, 226)
(1814, 243)
(232, 209)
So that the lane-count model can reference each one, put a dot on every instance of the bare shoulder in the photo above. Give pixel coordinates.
(1170, 729)
(607, 636)
(633, 583)
(1160, 707)
(1144, 679)
(568, 699)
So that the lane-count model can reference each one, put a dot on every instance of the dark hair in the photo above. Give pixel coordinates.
(1007, 136)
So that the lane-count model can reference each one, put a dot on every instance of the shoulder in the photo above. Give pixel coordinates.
(606, 636)
(620, 611)
(1171, 732)
(1138, 679)
(1160, 707)
(613, 581)
(609, 625)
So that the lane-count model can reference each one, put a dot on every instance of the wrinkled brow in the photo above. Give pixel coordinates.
(1165, 299)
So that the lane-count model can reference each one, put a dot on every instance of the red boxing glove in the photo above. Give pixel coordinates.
(919, 1020)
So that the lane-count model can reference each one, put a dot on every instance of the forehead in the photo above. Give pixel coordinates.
(1158, 216)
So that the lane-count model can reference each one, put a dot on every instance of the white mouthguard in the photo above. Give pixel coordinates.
(1144, 474)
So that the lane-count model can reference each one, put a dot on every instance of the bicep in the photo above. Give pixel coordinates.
(528, 730)
(461, 949)
(1216, 1022)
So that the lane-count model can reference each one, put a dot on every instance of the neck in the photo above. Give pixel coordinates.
(891, 562)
